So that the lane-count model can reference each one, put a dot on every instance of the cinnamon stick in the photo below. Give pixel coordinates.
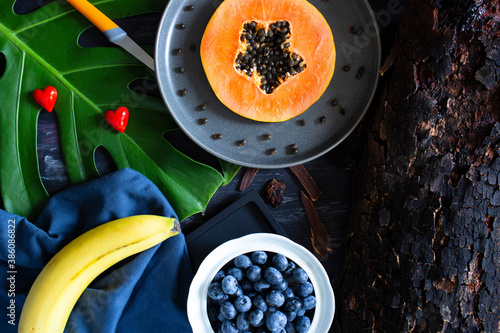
(248, 177)
(307, 181)
(320, 239)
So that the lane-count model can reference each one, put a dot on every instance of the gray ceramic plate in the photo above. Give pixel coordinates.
(357, 42)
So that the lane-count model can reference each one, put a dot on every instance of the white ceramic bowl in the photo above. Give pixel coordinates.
(197, 298)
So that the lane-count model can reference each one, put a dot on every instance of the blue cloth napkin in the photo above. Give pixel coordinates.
(147, 293)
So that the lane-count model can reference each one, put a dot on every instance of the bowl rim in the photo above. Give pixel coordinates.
(221, 255)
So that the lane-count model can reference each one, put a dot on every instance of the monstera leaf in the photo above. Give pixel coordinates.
(40, 49)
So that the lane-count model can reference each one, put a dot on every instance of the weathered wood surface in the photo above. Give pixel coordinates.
(422, 247)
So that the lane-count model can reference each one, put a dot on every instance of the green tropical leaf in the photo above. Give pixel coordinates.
(40, 49)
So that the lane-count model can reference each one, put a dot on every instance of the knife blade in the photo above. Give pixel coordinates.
(128, 44)
(113, 32)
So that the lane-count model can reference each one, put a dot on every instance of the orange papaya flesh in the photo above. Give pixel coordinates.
(268, 60)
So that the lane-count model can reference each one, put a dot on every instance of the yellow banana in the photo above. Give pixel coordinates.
(65, 277)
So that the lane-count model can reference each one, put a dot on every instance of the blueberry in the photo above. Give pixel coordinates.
(293, 304)
(227, 310)
(288, 293)
(229, 284)
(259, 303)
(239, 292)
(270, 310)
(302, 324)
(300, 275)
(242, 261)
(236, 272)
(215, 291)
(289, 328)
(229, 327)
(256, 318)
(272, 275)
(253, 296)
(259, 257)
(242, 303)
(291, 266)
(220, 275)
(304, 289)
(223, 299)
(280, 262)
(253, 273)
(309, 302)
(275, 298)
(242, 321)
(276, 321)
(246, 285)
(290, 315)
(301, 312)
(281, 286)
(261, 285)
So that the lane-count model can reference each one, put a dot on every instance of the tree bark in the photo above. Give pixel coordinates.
(422, 247)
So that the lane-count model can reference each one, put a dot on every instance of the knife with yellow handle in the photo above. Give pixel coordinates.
(113, 32)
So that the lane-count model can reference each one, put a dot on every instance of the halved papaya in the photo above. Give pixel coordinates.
(268, 60)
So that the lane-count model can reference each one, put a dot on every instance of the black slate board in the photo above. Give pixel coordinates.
(247, 215)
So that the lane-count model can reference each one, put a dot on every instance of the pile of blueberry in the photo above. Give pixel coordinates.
(261, 292)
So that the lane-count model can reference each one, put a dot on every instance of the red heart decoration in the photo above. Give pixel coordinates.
(117, 119)
(46, 97)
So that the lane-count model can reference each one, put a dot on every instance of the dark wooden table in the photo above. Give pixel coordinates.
(332, 172)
